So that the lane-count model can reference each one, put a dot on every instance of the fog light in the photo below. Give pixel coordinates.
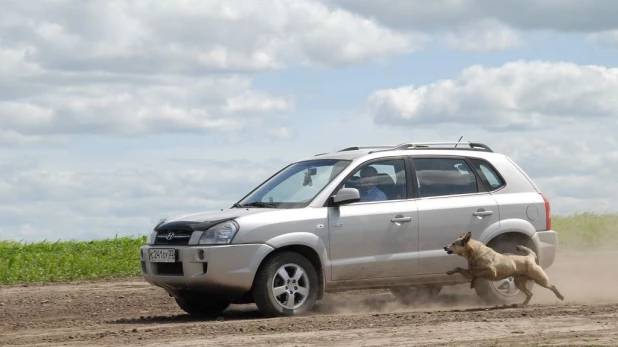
(200, 254)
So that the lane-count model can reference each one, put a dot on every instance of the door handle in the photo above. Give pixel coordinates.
(482, 213)
(399, 219)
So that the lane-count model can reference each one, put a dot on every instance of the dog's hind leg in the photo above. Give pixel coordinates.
(520, 283)
(555, 290)
(539, 276)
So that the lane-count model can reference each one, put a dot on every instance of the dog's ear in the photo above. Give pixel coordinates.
(467, 237)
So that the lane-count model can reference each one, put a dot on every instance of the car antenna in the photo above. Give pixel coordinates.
(459, 140)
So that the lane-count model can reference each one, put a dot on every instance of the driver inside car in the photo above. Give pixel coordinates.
(367, 187)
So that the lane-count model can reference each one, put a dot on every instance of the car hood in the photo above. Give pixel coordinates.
(209, 218)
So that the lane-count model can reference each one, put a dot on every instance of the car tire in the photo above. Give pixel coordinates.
(202, 305)
(409, 295)
(280, 290)
(501, 292)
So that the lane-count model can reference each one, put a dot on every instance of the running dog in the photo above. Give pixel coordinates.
(484, 262)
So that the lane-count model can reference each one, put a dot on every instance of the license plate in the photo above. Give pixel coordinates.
(162, 255)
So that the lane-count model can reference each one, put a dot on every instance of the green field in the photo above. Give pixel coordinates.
(69, 260)
(42, 262)
(586, 230)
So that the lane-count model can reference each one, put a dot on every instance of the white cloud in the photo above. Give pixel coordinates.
(188, 105)
(484, 36)
(149, 36)
(516, 95)
(254, 101)
(149, 67)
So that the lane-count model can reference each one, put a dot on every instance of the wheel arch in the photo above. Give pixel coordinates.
(513, 230)
(306, 244)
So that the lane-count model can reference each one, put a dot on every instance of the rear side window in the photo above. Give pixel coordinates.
(444, 176)
(489, 175)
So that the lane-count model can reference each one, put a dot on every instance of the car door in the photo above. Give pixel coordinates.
(375, 239)
(451, 201)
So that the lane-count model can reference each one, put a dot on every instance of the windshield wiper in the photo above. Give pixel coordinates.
(255, 204)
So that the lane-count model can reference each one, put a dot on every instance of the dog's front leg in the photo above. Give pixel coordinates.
(467, 273)
(454, 271)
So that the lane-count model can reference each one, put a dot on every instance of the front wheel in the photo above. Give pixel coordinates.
(286, 285)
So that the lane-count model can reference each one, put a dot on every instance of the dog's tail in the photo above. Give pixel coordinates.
(528, 252)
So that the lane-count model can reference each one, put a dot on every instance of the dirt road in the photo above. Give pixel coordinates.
(131, 312)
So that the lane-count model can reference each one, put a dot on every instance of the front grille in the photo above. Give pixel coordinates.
(173, 236)
(169, 269)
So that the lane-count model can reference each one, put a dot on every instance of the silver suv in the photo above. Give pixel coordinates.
(358, 218)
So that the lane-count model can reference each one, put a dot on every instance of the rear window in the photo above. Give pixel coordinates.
(489, 175)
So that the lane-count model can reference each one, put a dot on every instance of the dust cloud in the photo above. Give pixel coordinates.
(383, 301)
(584, 277)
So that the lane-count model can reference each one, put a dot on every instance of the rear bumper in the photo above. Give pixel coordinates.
(546, 243)
(225, 268)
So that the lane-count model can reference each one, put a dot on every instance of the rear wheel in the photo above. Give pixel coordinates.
(416, 295)
(286, 285)
(202, 304)
(502, 292)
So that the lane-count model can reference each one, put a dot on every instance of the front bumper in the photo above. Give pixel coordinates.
(221, 268)
(546, 243)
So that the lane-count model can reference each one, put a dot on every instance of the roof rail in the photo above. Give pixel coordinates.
(427, 145)
(356, 148)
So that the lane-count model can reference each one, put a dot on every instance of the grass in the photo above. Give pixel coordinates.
(586, 230)
(45, 262)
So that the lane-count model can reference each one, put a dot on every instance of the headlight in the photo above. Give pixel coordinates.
(153, 234)
(151, 238)
(220, 234)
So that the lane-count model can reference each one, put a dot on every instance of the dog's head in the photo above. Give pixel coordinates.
(459, 245)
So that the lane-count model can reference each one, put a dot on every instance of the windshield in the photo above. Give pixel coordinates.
(296, 185)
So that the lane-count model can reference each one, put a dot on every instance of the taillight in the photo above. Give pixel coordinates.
(547, 213)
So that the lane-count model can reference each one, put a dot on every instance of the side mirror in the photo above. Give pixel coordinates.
(346, 195)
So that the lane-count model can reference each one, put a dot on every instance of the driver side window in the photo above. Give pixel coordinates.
(380, 181)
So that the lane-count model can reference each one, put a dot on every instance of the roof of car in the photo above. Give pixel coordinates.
(355, 152)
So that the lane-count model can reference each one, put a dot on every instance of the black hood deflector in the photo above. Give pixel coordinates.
(193, 225)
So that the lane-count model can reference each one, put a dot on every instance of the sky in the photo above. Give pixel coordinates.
(115, 114)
